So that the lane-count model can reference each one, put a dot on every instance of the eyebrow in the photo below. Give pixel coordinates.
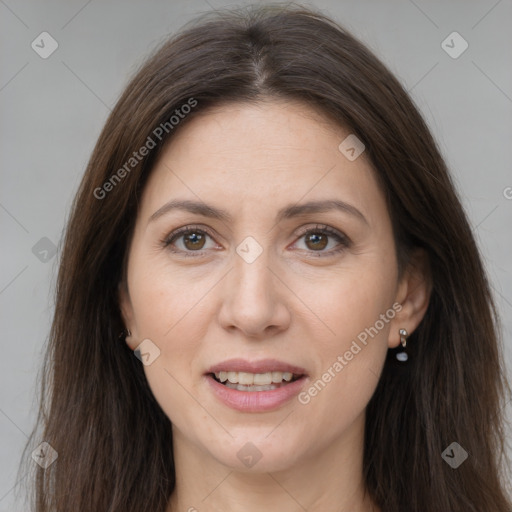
(288, 212)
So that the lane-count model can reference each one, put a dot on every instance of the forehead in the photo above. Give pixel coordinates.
(261, 156)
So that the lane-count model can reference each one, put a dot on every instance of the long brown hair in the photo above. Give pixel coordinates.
(113, 440)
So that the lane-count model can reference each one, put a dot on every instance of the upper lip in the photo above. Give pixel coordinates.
(261, 366)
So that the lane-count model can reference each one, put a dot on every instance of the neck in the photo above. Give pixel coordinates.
(323, 481)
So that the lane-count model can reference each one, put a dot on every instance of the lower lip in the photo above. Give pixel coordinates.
(256, 401)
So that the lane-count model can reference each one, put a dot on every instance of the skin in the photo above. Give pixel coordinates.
(289, 304)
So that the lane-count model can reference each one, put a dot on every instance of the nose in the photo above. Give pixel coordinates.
(255, 301)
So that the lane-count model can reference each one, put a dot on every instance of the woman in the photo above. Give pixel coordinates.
(305, 319)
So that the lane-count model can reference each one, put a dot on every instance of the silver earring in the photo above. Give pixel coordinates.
(402, 356)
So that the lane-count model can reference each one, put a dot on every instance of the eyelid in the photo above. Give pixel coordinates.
(324, 228)
(344, 241)
(189, 228)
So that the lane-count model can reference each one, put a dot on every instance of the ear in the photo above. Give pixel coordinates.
(125, 305)
(413, 294)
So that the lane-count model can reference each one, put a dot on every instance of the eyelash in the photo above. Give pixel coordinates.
(343, 240)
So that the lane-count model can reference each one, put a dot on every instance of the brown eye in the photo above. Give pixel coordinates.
(194, 240)
(323, 241)
(316, 241)
(188, 240)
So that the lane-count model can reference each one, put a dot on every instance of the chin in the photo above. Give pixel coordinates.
(254, 451)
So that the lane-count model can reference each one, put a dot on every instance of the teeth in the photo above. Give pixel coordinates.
(247, 379)
(241, 387)
(262, 379)
(277, 376)
(233, 377)
(254, 379)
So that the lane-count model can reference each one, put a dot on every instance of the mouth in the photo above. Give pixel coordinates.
(253, 382)
(255, 386)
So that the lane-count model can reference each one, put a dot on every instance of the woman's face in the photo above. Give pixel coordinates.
(258, 288)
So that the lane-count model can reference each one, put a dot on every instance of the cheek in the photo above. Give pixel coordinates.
(349, 301)
(164, 300)
(356, 306)
(167, 309)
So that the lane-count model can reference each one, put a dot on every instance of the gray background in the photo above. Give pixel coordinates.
(52, 111)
